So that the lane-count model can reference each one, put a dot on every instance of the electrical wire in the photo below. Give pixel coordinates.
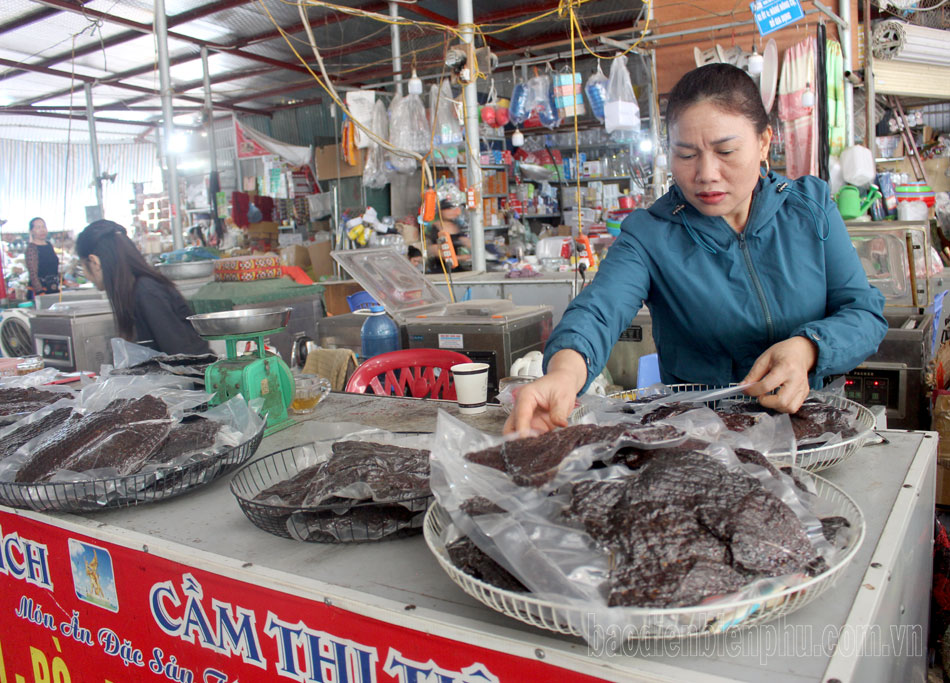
(327, 85)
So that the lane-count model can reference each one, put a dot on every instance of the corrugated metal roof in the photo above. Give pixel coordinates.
(108, 43)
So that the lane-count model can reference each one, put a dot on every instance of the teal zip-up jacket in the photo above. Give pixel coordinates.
(718, 298)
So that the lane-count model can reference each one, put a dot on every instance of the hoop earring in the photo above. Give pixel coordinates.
(767, 170)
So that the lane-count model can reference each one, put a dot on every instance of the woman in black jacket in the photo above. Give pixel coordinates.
(147, 306)
(42, 263)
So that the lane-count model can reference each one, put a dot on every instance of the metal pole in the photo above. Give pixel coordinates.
(844, 8)
(474, 175)
(214, 181)
(161, 37)
(397, 46)
(209, 108)
(94, 148)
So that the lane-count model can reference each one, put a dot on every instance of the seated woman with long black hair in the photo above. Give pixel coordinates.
(147, 306)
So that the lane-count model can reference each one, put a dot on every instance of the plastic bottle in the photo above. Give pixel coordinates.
(379, 333)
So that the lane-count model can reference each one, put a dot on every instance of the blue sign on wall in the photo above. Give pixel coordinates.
(771, 15)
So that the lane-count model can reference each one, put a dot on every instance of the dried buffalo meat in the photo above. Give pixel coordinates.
(125, 449)
(19, 436)
(682, 528)
(667, 410)
(747, 455)
(16, 400)
(830, 526)
(534, 461)
(71, 441)
(293, 491)
(390, 472)
(479, 505)
(469, 558)
(191, 436)
(183, 365)
(359, 523)
(813, 419)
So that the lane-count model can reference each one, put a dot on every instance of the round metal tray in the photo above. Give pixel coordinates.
(812, 458)
(330, 523)
(243, 321)
(134, 489)
(654, 623)
(186, 270)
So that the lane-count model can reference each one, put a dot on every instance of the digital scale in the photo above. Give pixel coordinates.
(257, 374)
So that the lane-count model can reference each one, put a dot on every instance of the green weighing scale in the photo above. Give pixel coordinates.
(255, 375)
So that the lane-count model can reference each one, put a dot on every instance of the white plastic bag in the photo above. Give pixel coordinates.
(621, 111)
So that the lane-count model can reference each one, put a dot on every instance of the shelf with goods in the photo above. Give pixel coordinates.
(494, 190)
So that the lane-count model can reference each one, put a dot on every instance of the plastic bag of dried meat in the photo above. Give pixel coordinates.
(632, 546)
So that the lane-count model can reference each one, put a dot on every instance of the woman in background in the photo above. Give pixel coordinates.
(147, 306)
(42, 263)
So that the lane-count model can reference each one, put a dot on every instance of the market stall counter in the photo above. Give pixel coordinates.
(189, 590)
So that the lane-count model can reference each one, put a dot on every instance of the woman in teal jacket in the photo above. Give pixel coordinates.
(749, 277)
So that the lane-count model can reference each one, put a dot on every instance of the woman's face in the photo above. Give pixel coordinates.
(92, 267)
(716, 156)
(38, 230)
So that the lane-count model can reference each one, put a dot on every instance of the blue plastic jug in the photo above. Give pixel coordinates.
(379, 333)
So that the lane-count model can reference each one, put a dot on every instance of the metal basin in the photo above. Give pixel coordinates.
(186, 270)
(245, 321)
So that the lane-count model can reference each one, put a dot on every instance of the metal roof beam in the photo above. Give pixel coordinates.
(138, 28)
(124, 86)
(108, 80)
(31, 18)
(445, 21)
(515, 12)
(283, 90)
(325, 20)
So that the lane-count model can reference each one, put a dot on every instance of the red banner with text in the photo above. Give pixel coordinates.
(76, 609)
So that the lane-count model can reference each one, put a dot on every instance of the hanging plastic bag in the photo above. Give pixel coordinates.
(448, 131)
(596, 91)
(433, 100)
(375, 173)
(409, 131)
(518, 109)
(621, 111)
(541, 100)
(567, 93)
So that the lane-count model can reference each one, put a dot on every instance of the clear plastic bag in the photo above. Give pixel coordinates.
(596, 91)
(375, 173)
(541, 100)
(125, 354)
(526, 531)
(448, 130)
(518, 108)
(621, 111)
(409, 131)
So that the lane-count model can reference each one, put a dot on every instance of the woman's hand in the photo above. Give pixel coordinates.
(547, 402)
(786, 365)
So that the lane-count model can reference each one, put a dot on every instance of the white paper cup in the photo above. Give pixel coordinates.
(471, 387)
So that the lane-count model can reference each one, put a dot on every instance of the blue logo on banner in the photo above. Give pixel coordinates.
(771, 15)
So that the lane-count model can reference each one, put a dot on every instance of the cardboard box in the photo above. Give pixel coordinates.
(295, 255)
(941, 425)
(264, 228)
(328, 158)
(320, 258)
